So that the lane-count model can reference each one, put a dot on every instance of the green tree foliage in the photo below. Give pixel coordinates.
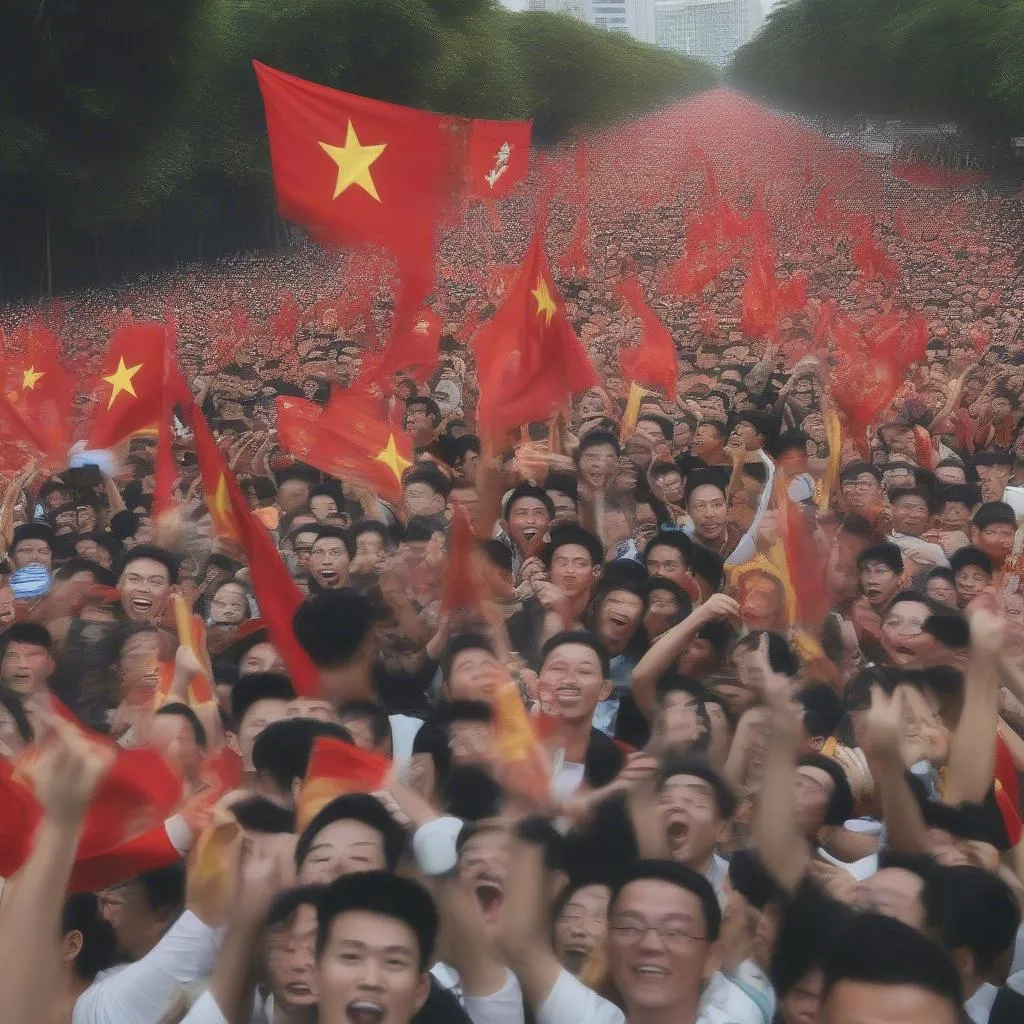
(132, 132)
(950, 59)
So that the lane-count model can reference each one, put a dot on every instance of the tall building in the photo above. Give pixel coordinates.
(710, 30)
(611, 15)
(577, 8)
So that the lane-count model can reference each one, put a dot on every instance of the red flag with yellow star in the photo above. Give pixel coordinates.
(354, 170)
(349, 439)
(529, 359)
(39, 393)
(276, 592)
(128, 390)
(414, 352)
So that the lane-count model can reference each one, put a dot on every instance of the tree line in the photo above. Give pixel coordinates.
(132, 133)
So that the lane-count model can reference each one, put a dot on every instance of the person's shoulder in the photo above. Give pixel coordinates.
(571, 1000)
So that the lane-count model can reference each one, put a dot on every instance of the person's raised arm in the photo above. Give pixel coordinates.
(972, 751)
(65, 777)
(901, 813)
(664, 652)
(781, 847)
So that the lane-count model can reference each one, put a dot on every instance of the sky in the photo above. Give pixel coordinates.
(519, 5)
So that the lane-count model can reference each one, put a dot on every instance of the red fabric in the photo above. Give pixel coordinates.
(39, 393)
(460, 585)
(653, 361)
(872, 260)
(130, 400)
(529, 359)
(350, 438)
(336, 768)
(413, 351)
(163, 497)
(806, 568)
(146, 852)
(413, 175)
(276, 591)
(499, 157)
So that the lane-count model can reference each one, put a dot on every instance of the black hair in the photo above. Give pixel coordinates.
(571, 534)
(429, 406)
(965, 556)
(749, 877)
(33, 531)
(427, 473)
(994, 513)
(708, 566)
(678, 875)
(155, 554)
(913, 492)
(981, 913)
(385, 894)
(933, 881)
(498, 554)
(528, 491)
(595, 437)
(163, 888)
(355, 807)
(880, 950)
(704, 478)
(260, 814)
(671, 539)
(579, 636)
(823, 710)
(376, 714)
(184, 711)
(719, 426)
(967, 495)
(992, 457)
(451, 711)
(282, 750)
(258, 686)
(888, 554)
(781, 658)
(852, 470)
(26, 633)
(840, 804)
(470, 792)
(460, 643)
(664, 423)
(662, 469)
(81, 913)
(374, 526)
(282, 910)
(725, 799)
(565, 483)
(333, 625)
(325, 530)
(103, 577)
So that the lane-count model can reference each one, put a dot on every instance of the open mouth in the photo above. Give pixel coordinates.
(574, 957)
(530, 532)
(141, 605)
(678, 831)
(328, 577)
(489, 896)
(650, 971)
(872, 592)
(299, 990)
(364, 1012)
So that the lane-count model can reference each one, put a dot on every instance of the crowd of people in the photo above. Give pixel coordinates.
(729, 731)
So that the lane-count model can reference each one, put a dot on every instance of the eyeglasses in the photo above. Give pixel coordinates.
(671, 933)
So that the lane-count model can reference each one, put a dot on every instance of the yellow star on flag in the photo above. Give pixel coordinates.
(121, 380)
(30, 378)
(354, 161)
(545, 303)
(392, 458)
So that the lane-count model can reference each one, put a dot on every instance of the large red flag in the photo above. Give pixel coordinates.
(276, 592)
(335, 769)
(499, 157)
(653, 360)
(460, 584)
(129, 388)
(413, 350)
(349, 439)
(529, 359)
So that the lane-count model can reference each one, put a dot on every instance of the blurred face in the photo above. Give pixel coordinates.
(682, 436)
(467, 501)
(313, 707)
(910, 515)
(878, 583)
(746, 434)
(25, 668)
(709, 511)
(145, 588)
(471, 742)
(342, 848)
(860, 1002)
(619, 619)
(941, 590)
(528, 522)
(995, 540)
(328, 562)
(658, 949)
(761, 602)
(814, 789)
(370, 546)
(691, 820)
(175, 738)
(302, 544)
(861, 493)
(670, 488)
(993, 480)
(572, 571)
(32, 552)
(947, 475)
(483, 864)
(422, 500)
(650, 430)
(475, 674)
(565, 507)
(262, 657)
(292, 495)
(572, 679)
(257, 718)
(666, 562)
(802, 1003)
(291, 949)
(955, 515)
(6, 605)
(894, 892)
(900, 439)
(322, 506)
(597, 465)
(901, 631)
(229, 606)
(136, 927)
(663, 610)
(581, 926)
(707, 442)
(971, 580)
(139, 664)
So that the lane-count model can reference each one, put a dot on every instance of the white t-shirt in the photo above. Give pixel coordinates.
(142, 991)
(403, 732)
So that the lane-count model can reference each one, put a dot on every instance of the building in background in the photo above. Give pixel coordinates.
(610, 15)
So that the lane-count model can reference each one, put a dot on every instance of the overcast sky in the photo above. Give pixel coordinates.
(519, 5)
